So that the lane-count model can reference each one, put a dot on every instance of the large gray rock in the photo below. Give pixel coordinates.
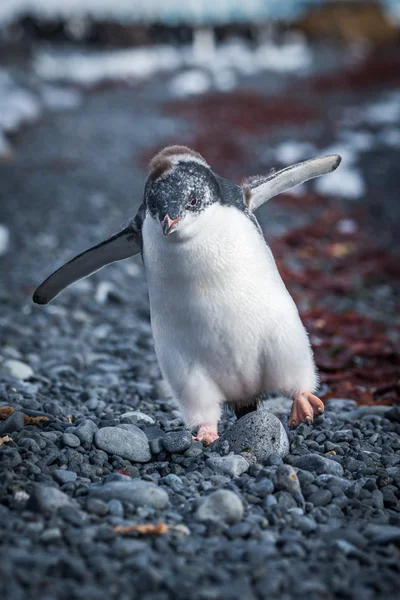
(135, 491)
(232, 465)
(132, 444)
(260, 433)
(222, 505)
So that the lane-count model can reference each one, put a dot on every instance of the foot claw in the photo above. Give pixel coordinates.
(305, 405)
(206, 434)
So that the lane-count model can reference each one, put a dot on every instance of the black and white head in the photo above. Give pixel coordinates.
(182, 193)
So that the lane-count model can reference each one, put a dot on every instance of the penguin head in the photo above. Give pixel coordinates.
(181, 192)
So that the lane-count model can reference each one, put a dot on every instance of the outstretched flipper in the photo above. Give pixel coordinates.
(258, 190)
(122, 245)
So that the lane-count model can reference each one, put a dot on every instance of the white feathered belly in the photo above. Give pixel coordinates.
(221, 313)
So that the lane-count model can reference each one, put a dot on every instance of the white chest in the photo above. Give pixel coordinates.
(215, 299)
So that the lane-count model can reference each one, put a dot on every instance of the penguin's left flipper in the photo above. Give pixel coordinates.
(122, 245)
(305, 406)
(258, 190)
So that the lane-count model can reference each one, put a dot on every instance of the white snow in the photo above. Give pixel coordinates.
(222, 63)
(291, 152)
(390, 137)
(346, 181)
(384, 111)
(4, 239)
(347, 226)
(57, 98)
(190, 83)
(90, 68)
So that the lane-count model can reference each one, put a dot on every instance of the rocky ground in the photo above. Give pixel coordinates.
(102, 490)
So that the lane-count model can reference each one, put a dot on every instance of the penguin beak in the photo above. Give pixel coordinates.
(168, 224)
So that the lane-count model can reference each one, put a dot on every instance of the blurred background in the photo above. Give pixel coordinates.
(91, 89)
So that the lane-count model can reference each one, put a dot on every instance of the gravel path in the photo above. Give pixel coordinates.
(95, 448)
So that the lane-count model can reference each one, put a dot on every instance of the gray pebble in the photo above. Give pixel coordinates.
(132, 444)
(286, 479)
(232, 465)
(96, 506)
(45, 498)
(320, 497)
(221, 506)
(177, 441)
(134, 491)
(260, 433)
(340, 404)
(15, 422)
(17, 369)
(85, 432)
(319, 464)
(115, 507)
(63, 476)
(156, 445)
(71, 440)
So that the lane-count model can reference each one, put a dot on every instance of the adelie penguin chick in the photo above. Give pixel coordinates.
(225, 327)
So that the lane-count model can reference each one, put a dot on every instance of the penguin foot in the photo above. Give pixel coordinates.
(305, 406)
(207, 433)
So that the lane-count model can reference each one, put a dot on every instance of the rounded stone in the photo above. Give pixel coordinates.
(260, 433)
(134, 491)
(221, 506)
(132, 444)
(15, 422)
(177, 441)
(319, 464)
(71, 440)
(18, 369)
(232, 465)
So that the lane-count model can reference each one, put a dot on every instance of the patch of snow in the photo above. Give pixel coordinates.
(225, 79)
(221, 63)
(291, 152)
(347, 226)
(91, 68)
(4, 239)
(390, 137)
(190, 83)
(385, 111)
(358, 140)
(290, 57)
(346, 181)
(103, 290)
(57, 98)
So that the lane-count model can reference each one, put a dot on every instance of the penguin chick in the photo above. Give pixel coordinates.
(225, 327)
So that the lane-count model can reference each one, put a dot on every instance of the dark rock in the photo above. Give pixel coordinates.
(260, 433)
(177, 441)
(63, 476)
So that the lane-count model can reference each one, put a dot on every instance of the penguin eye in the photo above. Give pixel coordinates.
(193, 202)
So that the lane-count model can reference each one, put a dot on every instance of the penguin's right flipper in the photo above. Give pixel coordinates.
(122, 245)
